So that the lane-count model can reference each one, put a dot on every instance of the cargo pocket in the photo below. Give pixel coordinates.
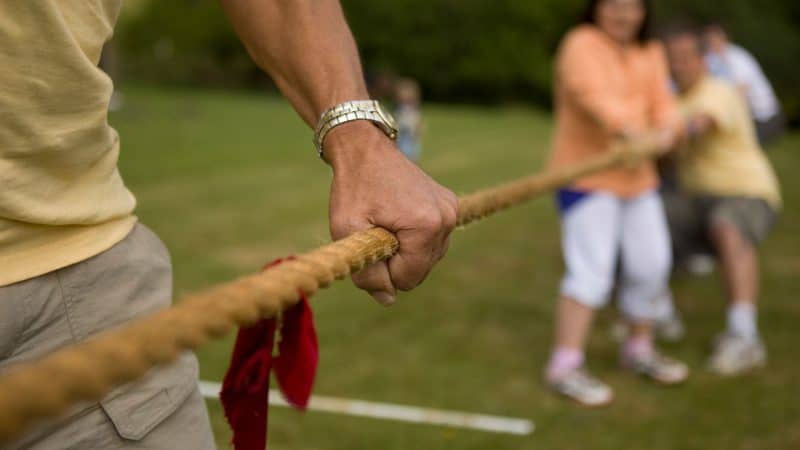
(137, 408)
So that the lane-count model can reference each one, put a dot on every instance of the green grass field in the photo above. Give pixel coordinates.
(231, 181)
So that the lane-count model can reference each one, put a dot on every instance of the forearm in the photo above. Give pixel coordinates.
(664, 103)
(598, 105)
(582, 77)
(665, 114)
(305, 46)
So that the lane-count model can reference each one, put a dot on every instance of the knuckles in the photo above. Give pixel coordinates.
(345, 223)
(449, 219)
(451, 213)
(429, 220)
(439, 219)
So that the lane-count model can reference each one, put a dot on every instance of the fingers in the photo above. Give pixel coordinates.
(376, 281)
(420, 248)
(449, 211)
(410, 204)
(424, 244)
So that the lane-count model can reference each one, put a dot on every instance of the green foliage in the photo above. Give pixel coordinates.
(463, 50)
(188, 41)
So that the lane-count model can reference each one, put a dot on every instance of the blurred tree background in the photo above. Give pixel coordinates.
(460, 50)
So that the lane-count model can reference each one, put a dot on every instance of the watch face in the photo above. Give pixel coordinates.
(387, 117)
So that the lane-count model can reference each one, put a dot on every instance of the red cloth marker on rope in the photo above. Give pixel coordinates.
(245, 390)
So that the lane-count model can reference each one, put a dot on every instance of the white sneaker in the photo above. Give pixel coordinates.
(583, 388)
(657, 367)
(734, 355)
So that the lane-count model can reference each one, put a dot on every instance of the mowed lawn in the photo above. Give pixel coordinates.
(231, 181)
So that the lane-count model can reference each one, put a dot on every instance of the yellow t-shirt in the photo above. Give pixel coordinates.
(62, 199)
(729, 161)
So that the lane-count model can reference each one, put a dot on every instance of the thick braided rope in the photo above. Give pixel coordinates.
(88, 371)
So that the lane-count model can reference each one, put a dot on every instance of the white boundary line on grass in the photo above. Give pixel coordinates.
(402, 413)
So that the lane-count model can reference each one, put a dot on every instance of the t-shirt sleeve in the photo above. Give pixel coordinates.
(582, 74)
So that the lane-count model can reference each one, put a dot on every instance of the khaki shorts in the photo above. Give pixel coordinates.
(164, 410)
(691, 217)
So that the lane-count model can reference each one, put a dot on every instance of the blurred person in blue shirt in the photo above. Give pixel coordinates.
(731, 62)
(409, 118)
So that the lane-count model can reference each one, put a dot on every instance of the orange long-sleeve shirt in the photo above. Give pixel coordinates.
(602, 90)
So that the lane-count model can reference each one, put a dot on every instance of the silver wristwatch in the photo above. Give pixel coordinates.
(342, 113)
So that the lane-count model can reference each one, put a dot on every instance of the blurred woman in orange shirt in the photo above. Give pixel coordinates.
(611, 83)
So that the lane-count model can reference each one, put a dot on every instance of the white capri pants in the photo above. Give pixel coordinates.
(601, 229)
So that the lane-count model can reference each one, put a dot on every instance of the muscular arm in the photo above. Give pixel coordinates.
(307, 48)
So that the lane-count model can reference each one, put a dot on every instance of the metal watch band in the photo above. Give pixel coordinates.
(342, 113)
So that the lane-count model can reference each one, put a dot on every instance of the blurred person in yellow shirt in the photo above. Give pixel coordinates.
(729, 193)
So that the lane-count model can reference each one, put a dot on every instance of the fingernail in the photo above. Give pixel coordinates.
(384, 298)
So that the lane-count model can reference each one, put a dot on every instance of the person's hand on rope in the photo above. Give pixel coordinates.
(639, 146)
(375, 185)
(308, 50)
(669, 138)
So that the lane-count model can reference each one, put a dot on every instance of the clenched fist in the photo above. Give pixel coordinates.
(376, 185)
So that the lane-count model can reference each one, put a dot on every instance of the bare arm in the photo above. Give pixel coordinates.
(307, 48)
(666, 118)
(582, 72)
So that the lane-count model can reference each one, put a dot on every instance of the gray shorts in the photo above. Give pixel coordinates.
(164, 410)
(691, 218)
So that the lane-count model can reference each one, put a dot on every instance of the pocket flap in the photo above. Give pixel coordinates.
(137, 408)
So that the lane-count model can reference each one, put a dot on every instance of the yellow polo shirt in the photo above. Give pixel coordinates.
(728, 161)
(62, 199)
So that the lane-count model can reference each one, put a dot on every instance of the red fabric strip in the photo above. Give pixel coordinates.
(245, 389)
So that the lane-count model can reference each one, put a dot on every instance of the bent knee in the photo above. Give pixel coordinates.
(591, 291)
(655, 269)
